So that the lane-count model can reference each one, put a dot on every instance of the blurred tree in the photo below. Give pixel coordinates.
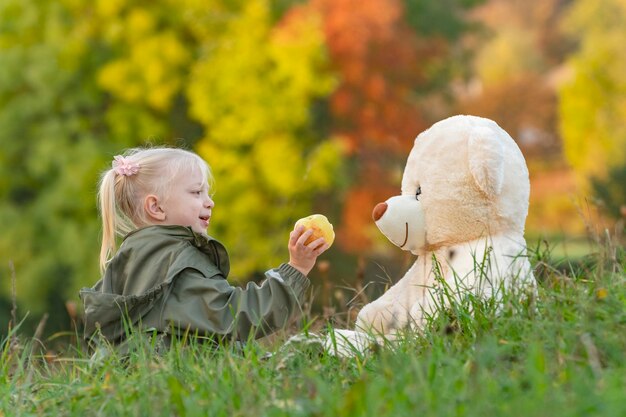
(253, 94)
(593, 104)
(150, 48)
(445, 18)
(517, 70)
(611, 191)
(386, 61)
(52, 145)
(526, 107)
(450, 20)
(532, 27)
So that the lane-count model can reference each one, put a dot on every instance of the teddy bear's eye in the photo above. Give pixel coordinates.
(418, 192)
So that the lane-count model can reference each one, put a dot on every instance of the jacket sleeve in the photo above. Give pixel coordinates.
(211, 306)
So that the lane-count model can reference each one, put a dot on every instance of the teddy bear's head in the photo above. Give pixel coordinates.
(465, 178)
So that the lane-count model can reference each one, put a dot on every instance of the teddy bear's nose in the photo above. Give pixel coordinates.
(379, 210)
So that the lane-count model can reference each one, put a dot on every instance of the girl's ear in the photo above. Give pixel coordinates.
(153, 208)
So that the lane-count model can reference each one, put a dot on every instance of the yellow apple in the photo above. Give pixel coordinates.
(321, 228)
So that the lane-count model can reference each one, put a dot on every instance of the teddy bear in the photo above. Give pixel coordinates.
(461, 212)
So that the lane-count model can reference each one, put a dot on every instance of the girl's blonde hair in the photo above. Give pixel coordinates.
(120, 196)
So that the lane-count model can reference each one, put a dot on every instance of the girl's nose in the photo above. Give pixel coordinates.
(209, 203)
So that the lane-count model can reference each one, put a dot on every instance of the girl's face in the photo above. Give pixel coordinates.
(188, 203)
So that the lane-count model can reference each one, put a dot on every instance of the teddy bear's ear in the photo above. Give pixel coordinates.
(486, 160)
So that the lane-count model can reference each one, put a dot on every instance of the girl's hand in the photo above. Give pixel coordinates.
(301, 256)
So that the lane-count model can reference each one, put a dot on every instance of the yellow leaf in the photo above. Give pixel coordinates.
(139, 23)
(109, 8)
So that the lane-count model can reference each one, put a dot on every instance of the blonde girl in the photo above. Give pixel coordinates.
(168, 275)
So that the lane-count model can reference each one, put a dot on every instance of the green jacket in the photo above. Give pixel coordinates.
(170, 279)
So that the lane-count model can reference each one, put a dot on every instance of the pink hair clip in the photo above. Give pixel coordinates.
(124, 166)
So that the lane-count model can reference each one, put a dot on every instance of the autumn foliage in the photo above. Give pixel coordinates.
(381, 63)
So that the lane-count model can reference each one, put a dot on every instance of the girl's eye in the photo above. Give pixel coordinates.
(418, 192)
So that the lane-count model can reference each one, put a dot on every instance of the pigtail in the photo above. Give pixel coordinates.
(107, 206)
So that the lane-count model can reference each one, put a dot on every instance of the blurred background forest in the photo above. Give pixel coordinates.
(299, 106)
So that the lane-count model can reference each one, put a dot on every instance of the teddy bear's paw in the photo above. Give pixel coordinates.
(378, 319)
(348, 343)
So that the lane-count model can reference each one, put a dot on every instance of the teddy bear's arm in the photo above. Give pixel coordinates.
(391, 312)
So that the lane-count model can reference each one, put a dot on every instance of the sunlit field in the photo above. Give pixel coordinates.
(562, 354)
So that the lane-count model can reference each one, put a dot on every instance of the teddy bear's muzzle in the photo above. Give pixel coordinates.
(401, 220)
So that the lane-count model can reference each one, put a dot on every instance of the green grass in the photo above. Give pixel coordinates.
(569, 247)
(563, 355)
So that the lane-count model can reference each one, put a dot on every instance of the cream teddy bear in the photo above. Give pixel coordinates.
(462, 211)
